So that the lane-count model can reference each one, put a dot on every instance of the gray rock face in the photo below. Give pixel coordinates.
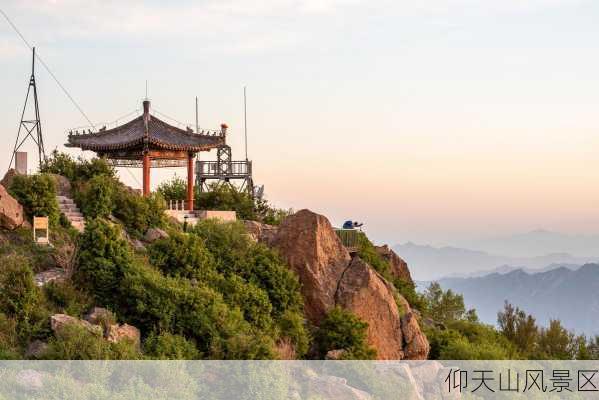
(57, 275)
(11, 212)
(154, 234)
(60, 321)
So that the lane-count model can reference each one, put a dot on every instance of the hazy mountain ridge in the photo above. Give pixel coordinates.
(561, 293)
(429, 262)
(540, 241)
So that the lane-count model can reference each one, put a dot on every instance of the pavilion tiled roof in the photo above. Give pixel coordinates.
(160, 136)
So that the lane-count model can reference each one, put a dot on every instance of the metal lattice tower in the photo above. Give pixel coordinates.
(32, 127)
(224, 171)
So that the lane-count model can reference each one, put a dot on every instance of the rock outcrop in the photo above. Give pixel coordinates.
(11, 212)
(259, 232)
(308, 244)
(399, 268)
(117, 333)
(59, 321)
(154, 234)
(416, 346)
(57, 275)
(330, 277)
(8, 178)
(100, 323)
(365, 293)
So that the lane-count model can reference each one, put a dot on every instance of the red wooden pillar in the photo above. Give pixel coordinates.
(146, 173)
(190, 181)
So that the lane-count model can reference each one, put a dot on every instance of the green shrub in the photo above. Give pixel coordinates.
(139, 213)
(9, 340)
(157, 303)
(167, 346)
(175, 189)
(249, 298)
(183, 255)
(79, 170)
(21, 300)
(341, 329)
(226, 197)
(64, 298)
(37, 195)
(96, 196)
(103, 258)
(293, 326)
(18, 294)
(74, 342)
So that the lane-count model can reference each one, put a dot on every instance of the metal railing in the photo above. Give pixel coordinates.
(349, 238)
(230, 168)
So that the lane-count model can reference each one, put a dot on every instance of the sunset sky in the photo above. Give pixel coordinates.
(430, 121)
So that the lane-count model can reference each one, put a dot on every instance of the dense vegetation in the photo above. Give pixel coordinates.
(225, 197)
(209, 292)
(456, 334)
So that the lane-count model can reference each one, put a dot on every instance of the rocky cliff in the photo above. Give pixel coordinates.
(330, 277)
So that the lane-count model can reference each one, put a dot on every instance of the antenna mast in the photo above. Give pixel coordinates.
(32, 127)
(197, 124)
(245, 122)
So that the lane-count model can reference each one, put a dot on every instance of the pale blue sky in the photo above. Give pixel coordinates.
(431, 121)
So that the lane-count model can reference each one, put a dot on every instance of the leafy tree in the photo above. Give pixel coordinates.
(104, 256)
(227, 197)
(518, 327)
(175, 189)
(37, 195)
(445, 306)
(341, 329)
(96, 196)
(555, 342)
(79, 170)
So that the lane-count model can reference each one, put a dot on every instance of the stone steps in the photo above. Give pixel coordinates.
(70, 210)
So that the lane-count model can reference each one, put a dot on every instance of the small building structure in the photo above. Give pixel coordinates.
(148, 142)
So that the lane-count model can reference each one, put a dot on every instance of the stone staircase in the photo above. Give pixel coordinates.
(71, 211)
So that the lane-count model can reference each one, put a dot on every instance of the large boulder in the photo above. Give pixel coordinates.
(365, 293)
(11, 212)
(59, 321)
(309, 245)
(154, 234)
(117, 333)
(399, 268)
(416, 346)
(8, 178)
(330, 277)
(100, 316)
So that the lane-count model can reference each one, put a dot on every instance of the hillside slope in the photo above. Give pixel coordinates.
(571, 296)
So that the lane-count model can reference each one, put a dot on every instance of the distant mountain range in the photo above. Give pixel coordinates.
(568, 294)
(428, 262)
(535, 243)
